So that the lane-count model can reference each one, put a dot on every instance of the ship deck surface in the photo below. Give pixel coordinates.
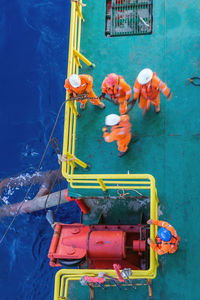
(168, 143)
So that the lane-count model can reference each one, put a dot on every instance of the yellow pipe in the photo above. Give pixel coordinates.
(116, 176)
(71, 39)
(79, 40)
(110, 187)
(100, 181)
(110, 182)
(82, 272)
(75, 40)
(127, 181)
(71, 275)
(67, 284)
(82, 57)
(66, 135)
(62, 284)
(70, 131)
(79, 12)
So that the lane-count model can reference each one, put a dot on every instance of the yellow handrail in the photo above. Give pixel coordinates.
(64, 276)
(86, 181)
(99, 181)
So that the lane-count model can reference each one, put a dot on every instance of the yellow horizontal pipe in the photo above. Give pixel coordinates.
(147, 181)
(112, 182)
(136, 274)
(109, 187)
(113, 176)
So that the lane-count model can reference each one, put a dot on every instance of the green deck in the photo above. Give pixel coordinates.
(169, 143)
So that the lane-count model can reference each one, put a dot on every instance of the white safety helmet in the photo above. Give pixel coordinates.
(74, 80)
(112, 119)
(145, 76)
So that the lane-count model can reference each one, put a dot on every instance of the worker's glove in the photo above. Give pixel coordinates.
(131, 104)
(70, 97)
(105, 129)
(149, 241)
(169, 97)
(85, 94)
(115, 101)
(102, 96)
(150, 221)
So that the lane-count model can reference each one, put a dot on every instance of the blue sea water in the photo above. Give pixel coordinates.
(33, 67)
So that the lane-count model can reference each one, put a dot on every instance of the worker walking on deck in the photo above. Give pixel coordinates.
(167, 239)
(147, 89)
(118, 90)
(120, 131)
(81, 85)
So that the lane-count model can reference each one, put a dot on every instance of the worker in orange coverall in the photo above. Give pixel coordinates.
(167, 239)
(147, 89)
(120, 132)
(118, 90)
(82, 85)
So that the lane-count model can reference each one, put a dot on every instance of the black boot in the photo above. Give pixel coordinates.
(120, 154)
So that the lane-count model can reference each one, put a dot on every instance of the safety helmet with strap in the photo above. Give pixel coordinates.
(164, 234)
(111, 79)
(75, 81)
(112, 120)
(145, 76)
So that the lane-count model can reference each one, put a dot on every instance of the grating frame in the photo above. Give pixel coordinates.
(128, 17)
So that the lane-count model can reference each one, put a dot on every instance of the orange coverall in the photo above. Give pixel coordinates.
(85, 87)
(120, 91)
(162, 247)
(150, 92)
(120, 133)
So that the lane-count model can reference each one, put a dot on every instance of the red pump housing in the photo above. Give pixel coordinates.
(101, 245)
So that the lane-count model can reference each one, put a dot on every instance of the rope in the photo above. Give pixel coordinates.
(132, 103)
(84, 96)
(41, 161)
(61, 158)
(40, 164)
(81, 97)
(123, 194)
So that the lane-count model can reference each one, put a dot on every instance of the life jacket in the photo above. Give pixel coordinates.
(113, 91)
(173, 243)
(152, 89)
(86, 83)
(123, 128)
(119, 90)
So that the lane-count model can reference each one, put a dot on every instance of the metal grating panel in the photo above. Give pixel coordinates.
(128, 17)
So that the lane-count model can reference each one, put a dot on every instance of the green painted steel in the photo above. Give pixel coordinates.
(168, 143)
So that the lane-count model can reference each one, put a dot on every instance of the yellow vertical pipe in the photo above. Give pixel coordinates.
(69, 71)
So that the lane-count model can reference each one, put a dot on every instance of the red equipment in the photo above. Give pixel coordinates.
(101, 245)
(83, 207)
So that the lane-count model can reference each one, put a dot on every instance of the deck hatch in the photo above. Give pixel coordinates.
(128, 17)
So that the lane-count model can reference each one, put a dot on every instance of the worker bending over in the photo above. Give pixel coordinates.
(118, 90)
(120, 131)
(147, 89)
(167, 239)
(77, 85)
